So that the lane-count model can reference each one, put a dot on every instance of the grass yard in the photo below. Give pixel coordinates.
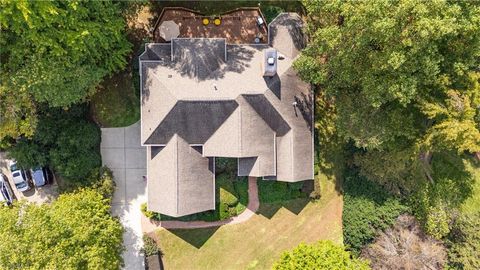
(472, 204)
(257, 243)
(115, 104)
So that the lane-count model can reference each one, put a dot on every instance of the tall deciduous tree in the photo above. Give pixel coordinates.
(65, 140)
(402, 74)
(55, 52)
(74, 232)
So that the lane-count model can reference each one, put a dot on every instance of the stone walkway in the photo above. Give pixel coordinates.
(123, 154)
(252, 207)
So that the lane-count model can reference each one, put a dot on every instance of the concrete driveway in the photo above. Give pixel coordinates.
(123, 154)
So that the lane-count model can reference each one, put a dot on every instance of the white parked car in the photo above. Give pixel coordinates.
(19, 177)
(6, 193)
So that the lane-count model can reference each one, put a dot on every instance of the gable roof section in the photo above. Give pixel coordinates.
(157, 101)
(268, 113)
(225, 142)
(257, 140)
(194, 121)
(181, 181)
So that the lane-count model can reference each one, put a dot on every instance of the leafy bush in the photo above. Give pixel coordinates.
(75, 154)
(28, 155)
(271, 12)
(104, 183)
(437, 222)
(463, 243)
(150, 246)
(148, 214)
(277, 191)
(367, 210)
(322, 255)
(225, 165)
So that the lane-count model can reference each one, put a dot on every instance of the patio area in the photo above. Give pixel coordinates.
(238, 26)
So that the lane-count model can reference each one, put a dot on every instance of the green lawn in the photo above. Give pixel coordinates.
(257, 243)
(472, 204)
(115, 104)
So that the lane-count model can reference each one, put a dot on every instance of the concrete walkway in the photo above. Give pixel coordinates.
(252, 207)
(123, 154)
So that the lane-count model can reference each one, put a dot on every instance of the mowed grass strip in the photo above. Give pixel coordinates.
(472, 204)
(257, 243)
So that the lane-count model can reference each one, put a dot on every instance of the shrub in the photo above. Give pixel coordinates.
(437, 222)
(367, 210)
(463, 243)
(322, 255)
(148, 214)
(277, 191)
(225, 165)
(271, 12)
(104, 183)
(76, 154)
(150, 246)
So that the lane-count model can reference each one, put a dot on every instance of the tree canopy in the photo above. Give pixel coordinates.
(74, 232)
(321, 255)
(383, 60)
(55, 52)
(404, 81)
(65, 140)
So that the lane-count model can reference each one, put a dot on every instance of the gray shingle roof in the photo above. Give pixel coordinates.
(204, 92)
(198, 58)
(156, 52)
(180, 181)
(268, 113)
(194, 121)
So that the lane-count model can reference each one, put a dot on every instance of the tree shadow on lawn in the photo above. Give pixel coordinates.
(195, 237)
(295, 206)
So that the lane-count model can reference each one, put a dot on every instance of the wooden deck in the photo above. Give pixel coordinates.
(237, 27)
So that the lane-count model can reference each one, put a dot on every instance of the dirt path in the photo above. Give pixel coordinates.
(252, 207)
